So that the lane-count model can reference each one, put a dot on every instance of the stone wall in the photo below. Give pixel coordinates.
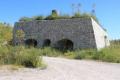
(79, 31)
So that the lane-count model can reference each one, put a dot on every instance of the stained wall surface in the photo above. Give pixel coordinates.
(79, 31)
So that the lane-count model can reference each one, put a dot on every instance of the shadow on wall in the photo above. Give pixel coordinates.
(31, 43)
(64, 44)
(46, 43)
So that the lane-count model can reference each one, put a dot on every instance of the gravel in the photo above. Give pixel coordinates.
(65, 69)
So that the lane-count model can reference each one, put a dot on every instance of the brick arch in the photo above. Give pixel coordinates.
(46, 42)
(65, 44)
(31, 42)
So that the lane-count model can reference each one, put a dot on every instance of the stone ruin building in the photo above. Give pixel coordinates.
(76, 33)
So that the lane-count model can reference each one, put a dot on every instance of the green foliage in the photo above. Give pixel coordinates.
(20, 56)
(29, 58)
(110, 54)
(69, 54)
(5, 33)
(38, 18)
(17, 55)
(23, 19)
(65, 16)
(76, 15)
(50, 17)
(54, 15)
(85, 54)
(85, 15)
(48, 51)
(81, 54)
(20, 34)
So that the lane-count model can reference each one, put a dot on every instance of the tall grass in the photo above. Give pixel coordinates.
(51, 52)
(33, 57)
(110, 54)
(20, 56)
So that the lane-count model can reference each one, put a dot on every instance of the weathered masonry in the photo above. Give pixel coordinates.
(78, 33)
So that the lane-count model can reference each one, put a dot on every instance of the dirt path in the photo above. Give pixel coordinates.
(64, 69)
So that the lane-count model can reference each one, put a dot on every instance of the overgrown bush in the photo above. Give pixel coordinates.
(29, 58)
(38, 18)
(64, 16)
(20, 56)
(81, 54)
(85, 54)
(24, 19)
(76, 15)
(5, 33)
(85, 15)
(54, 15)
(48, 51)
(16, 55)
(110, 54)
(70, 54)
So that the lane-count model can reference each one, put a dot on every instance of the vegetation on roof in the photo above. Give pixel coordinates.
(54, 15)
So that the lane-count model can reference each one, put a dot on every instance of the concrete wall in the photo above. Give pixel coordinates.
(101, 36)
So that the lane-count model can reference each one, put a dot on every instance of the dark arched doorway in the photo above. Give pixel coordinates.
(31, 42)
(46, 43)
(65, 44)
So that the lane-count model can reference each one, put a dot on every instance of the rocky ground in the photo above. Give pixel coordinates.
(65, 69)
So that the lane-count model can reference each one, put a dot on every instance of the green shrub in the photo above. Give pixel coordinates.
(54, 15)
(3, 52)
(85, 15)
(76, 15)
(20, 56)
(70, 54)
(25, 19)
(48, 51)
(65, 16)
(29, 58)
(38, 18)
(5, 33)
(84, 54)
(110, 55)
(106, 54)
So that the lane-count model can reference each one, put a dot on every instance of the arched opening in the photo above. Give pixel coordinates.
(46, 43)
(31, 42)
(65, 44)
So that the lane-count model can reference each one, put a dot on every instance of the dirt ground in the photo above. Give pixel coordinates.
(65, 69)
